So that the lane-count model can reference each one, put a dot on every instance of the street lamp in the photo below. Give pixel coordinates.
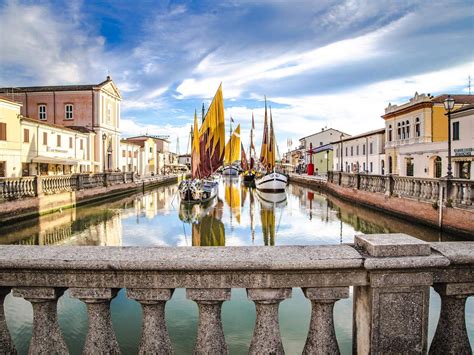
(448, 106)
(104, 138)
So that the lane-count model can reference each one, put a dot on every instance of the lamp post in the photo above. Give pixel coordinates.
(448, 106)
(104, 138)
(342, 136)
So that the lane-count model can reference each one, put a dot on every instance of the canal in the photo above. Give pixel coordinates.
(239, 216)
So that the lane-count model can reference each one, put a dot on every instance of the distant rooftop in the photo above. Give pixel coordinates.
(55, 87)
(324, 130)
(362, 135)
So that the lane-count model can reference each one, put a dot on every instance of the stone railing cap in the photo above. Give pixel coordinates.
(180, 258)
(392, 245)
(456, 252)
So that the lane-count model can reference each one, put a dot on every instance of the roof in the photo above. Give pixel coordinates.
(362, 135)
(458, 99)
(55, 87)
(144, 137)
(81, 129)
(129, 142)
(328, 129)
(321, 148)
(464, 108)
(3, 98)
(33, 120)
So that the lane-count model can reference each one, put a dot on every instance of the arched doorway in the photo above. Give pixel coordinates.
(382, 167)
(437, 167)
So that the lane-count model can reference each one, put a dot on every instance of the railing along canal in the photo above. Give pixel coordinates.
(391, 277)
(456, 192)
(31, 186)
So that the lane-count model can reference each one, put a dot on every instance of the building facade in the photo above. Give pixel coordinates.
(93, 107)
(416, 135)
(364, 153)
(462, 142)
(32, 147)
(326, 136)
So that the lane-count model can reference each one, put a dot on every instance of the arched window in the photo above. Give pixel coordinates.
(417, 127)
(437, 167)
(407, 129)
(389, 133)
(390, 169)
(399, 131)
(382, 167)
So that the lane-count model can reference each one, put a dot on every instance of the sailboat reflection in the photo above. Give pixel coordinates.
(206, 225)
(233, 198)
(269, 202)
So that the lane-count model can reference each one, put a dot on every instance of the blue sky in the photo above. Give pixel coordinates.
(320, 63)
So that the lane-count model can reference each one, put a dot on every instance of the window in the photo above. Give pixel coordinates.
(151, 150)
(346, 151)
(26, 135)
(352, 151)
(410, 166)
(390, 133)
(3, 131)
(363, 149)
(417, 127)
(69, 111)
(135, 154)
(437, 167)
(129, 153)
(42, 112)
(399, 131)
(363, 167)
(45, 138)
(357, 149)
(320, 143)
(455, 131)
(25, 169)
(70, 142)
(465, 169)
(407, 129)
(58, 140)
(371, 167)
(3, 168)
(123, 153)
(371, 148)
(81, 144)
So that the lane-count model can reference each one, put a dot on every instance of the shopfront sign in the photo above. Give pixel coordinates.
(56, 150)
(462, 152)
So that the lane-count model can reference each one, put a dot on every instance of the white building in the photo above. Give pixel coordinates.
(363, 153)
(318, 139)
(462, 133)
(130, 154)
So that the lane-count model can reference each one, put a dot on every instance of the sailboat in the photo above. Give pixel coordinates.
(232, 153)
(270, 181)
(249, 169)
(207, 154)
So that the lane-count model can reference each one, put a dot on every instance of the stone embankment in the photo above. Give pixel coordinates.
(29, 197)
(439, 203)
(391, 275)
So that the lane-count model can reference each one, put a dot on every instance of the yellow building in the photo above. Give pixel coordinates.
(10, 138)
(416, 135)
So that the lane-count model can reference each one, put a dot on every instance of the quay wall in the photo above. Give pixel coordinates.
(31, 207)
(455, 220)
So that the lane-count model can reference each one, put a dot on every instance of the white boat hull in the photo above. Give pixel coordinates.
(273, 182)
(202, 193)
(230, 170)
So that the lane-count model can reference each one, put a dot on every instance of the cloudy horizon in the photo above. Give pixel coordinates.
(334, 64)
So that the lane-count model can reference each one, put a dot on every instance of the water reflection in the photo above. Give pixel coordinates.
(238, 216)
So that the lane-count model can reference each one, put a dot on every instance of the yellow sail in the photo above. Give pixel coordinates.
(232, 148)
(271, 146)
(264, 150)
(214, 122)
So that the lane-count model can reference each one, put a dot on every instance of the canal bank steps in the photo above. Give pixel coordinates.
(391, 275)
(34, 196)
(438, 203)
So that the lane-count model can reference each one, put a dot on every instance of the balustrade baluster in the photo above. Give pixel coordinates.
(100, 337)
(210, 337)
(451, 334)
(155, 338)
(47, 337)
(468, 194)
(6, 343)
(322, 336)
(266, 335)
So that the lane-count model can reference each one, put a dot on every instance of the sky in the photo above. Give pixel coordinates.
(334, 64)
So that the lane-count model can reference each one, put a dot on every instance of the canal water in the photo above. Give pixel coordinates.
(239, 216)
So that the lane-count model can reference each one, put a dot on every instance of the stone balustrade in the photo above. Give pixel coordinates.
(390, 275)
(455, 192)
(33, 186)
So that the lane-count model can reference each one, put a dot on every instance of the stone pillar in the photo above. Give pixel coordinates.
(266, 335)
(155, 338)
(322, 336)
(451, 334)
(100, 337)
(6, 343)
(391, 313)
(46, 337)
(210, 337)
(38, 186)
(106, 181)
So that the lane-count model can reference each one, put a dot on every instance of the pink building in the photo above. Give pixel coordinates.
(95, 106)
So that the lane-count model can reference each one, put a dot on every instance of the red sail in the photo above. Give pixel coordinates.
(243, 158)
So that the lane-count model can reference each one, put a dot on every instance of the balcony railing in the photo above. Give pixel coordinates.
(391, 276)
(400, 142)
(31, 186)
(455, 192)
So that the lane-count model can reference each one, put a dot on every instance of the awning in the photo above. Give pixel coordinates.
(468, 158)
(53, 160)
